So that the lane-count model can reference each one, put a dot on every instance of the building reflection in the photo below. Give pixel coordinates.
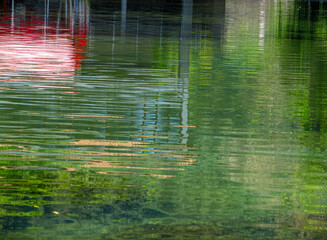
(148, 65)
(43, 46)
(144, 79)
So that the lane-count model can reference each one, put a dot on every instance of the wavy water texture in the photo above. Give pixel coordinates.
(163, 119)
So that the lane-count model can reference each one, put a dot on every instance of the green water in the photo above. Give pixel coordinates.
(177, 120)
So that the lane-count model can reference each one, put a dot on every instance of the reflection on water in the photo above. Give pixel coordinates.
(39, 50)
(154, 119)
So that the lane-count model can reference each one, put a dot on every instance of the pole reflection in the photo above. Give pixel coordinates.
(184, 62)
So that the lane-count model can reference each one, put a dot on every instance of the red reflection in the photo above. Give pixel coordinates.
(45, 50)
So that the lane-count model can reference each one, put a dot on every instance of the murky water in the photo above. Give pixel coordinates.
(163, 119)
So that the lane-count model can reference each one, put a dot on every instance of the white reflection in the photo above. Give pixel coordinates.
(184, 61)
(262, 24)
(32, 56)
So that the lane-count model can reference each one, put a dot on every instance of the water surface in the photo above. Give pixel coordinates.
(153, 120)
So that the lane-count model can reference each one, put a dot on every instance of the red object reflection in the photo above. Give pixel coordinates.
(34, 48)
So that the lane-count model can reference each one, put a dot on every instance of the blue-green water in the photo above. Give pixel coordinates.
(161, 119)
